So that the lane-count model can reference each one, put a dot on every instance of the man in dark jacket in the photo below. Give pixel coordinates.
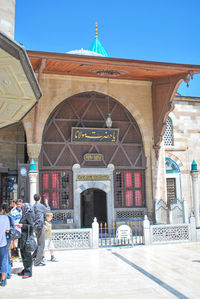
(40, 210)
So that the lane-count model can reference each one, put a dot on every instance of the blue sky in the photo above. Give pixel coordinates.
(153, 30)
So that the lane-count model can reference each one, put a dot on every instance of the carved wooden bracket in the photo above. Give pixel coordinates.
(163, 91)
(40, 68)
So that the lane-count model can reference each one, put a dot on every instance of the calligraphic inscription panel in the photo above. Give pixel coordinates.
(93, 177)
(94, 135)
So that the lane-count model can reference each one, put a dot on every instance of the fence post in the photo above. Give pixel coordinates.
(95, 234)
(193, 228)
(185, 211)
(146, 226)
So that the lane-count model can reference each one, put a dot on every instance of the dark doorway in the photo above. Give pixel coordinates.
(93, 204)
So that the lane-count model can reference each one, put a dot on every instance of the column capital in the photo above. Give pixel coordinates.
(33, 150)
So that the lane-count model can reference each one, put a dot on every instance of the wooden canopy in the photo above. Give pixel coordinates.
(165, 77)
(19, 88)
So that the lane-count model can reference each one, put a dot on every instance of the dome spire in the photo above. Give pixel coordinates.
(96, 30)
(96, 46)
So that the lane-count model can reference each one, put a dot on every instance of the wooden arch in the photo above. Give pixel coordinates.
(90, 109)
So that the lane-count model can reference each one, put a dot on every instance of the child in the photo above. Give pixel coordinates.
(48, 237)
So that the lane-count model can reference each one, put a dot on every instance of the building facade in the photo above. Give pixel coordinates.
(96, 135)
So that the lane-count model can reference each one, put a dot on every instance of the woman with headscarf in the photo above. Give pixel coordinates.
(26, 225)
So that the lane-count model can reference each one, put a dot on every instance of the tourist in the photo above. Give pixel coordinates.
(16, 214)
(26, 224)
(40, 210)
(4, 228)
(48, 237)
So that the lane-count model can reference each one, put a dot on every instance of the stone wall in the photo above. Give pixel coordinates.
(186, 128)
(7, 17)
(12, 154)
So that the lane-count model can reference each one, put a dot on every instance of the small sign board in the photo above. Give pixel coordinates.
(93, 157)
(124, 233)
(70, 220)
(93, 177)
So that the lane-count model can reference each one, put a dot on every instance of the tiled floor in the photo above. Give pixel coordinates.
(165, 271)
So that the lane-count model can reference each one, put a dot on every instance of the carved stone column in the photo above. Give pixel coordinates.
(33, 150)
(33, 173)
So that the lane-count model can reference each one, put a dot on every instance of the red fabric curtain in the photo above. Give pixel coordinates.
(138, 198)
(55, 180)
(45, 181)
(55, 200)
(138, 180)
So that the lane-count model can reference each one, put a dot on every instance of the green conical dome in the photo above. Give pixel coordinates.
(96, 46)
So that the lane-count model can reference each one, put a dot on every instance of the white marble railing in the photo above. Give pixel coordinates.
(72, 238)
(170, 233)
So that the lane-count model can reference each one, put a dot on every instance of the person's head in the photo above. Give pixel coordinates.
(13, 203)
(49, 216)
(4, 208)
(26, 208)
(19, 204)
(37, 197)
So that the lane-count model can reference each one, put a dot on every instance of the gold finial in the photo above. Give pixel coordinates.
(96, 29)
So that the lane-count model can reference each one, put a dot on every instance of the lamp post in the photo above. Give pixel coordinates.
(33, 180)
(194, 173)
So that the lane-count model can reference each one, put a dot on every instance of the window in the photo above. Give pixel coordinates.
(129, 191)
(56, 186)
(171, 166)
(173, 180)
(168, 135)
(171, 189)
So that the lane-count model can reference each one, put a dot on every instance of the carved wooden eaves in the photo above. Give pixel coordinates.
(163, 91)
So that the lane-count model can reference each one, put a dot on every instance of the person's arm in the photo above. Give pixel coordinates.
(46, 207)
(7, 228)
(29, 222)
(13, 215)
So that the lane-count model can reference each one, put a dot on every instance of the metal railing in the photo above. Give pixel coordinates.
(109, 236)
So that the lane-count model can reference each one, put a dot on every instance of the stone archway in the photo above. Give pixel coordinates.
(81, 185)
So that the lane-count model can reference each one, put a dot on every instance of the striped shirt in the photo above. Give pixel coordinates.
(16, 215)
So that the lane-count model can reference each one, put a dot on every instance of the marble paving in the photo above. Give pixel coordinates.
(164, 271)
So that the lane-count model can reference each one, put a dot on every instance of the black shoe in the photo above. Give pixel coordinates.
(40, 264)
(20, 273)
(3, 283)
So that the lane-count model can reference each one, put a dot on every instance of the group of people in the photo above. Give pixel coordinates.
(28, 220)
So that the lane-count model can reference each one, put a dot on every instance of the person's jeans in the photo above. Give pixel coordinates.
(9, 264)
(3, 259)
